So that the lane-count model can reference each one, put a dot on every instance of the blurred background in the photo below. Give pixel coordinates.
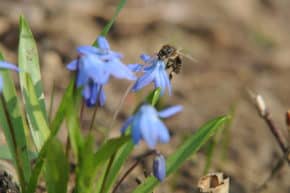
(238, 45)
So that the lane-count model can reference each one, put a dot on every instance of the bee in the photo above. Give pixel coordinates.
(172, 58)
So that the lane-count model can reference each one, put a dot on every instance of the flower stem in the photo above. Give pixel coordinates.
(137, 161)
(121, 102)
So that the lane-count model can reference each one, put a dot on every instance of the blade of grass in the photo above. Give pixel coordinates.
(108, 26)
(226, 137)
(6, 154)
(187, 149)
(55, 126)
(209, 155)
(32, 90)
(14, 127)
(91, 163)
(38, 123)
(56, 168)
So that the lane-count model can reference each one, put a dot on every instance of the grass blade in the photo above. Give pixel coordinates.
(30, 82)
(90, 162)
(108, 26)
(56, 168)
(14, 127)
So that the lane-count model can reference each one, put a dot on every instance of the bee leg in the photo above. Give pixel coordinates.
(171, 75)
(170, 63)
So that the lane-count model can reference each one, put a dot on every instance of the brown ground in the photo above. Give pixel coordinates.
(238, 44)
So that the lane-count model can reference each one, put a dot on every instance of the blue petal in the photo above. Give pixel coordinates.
(102, 99)
(146, 79)
(163, 133)
(146, 58)
(167, 82)
(159, 82)
(149, 131)
(82, 78)
(135, 67)
(119, 70)
(103, 43)
(136, 133)
(170, 111)
(126, 124)
(89, 93)
(116, 55)
(159, 167)
(86, 92)
(72, 65)
(95, 69)
(8, 65)
(95, 89)
(88, 50)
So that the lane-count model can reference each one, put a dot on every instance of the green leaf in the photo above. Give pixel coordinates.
(90, 163)
(187, 149)
(38, 123)
(119, 160)
(55, 126)
(109, 148)
(73, 125)
(63, 107)
(30, 82)
(56, 168)
(209, 154)
(6, 154)
(14, 127)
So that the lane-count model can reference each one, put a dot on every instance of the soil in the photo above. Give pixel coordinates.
(239, 45)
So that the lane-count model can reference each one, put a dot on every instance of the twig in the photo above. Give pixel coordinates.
(266, 116)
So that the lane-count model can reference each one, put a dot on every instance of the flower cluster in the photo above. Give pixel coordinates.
(94, 67)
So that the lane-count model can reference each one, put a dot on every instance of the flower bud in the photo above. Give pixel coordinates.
(159, 167)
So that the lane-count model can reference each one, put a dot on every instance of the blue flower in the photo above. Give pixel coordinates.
(145, 124)
(155, 72)
(159, 167)
(94, 67)
(9, 66)
(98, 64)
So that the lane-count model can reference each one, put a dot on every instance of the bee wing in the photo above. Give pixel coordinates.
(187, 56)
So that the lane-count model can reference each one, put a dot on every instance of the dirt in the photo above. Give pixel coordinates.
(238, 45)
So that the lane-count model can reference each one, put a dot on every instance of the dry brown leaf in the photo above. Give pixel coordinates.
(214, 183)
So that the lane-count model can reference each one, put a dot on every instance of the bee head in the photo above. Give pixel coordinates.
(166, 51)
